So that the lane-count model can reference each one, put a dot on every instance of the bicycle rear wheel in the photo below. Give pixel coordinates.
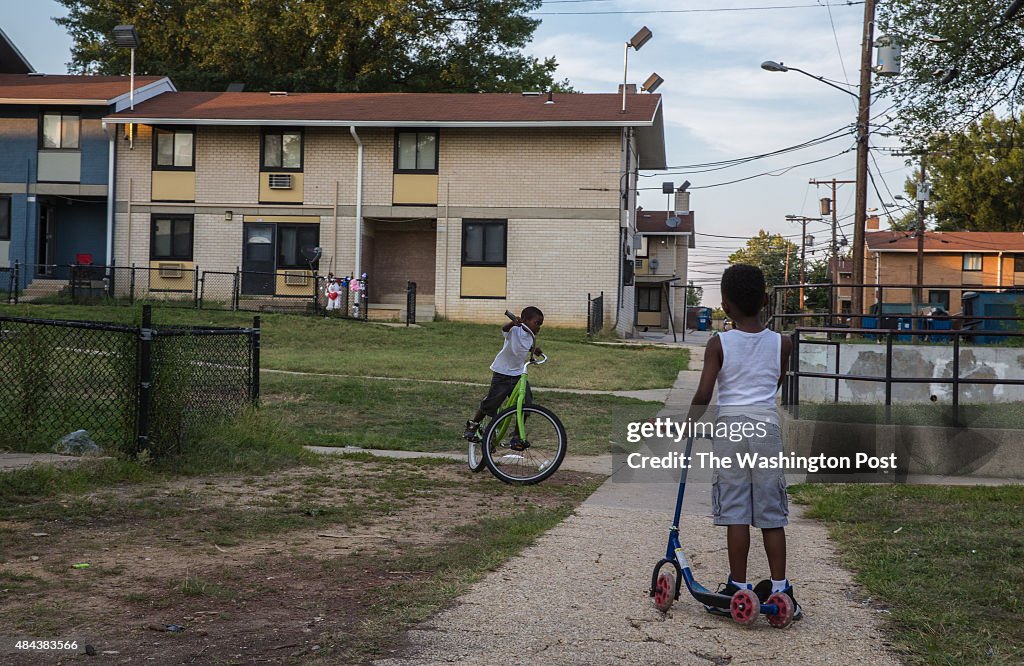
(538, 456)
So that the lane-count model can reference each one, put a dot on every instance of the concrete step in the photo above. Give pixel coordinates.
(41, 288)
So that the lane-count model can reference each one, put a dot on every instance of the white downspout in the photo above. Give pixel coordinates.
(359, 202)
(999, 265)
(110, 197)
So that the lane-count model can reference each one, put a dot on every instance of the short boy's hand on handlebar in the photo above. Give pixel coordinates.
(537, 351)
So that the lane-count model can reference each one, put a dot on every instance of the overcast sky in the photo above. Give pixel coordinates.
(719, 104)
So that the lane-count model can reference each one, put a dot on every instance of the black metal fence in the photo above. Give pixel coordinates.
(133, 388)
(296, 291)
(410, 303)
(595, 314)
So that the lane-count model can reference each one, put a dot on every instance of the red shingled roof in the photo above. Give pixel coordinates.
(66, 87)
(946, 241)
(656, 222)
(391, 108)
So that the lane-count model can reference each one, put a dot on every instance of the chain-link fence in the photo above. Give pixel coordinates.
(132, 388)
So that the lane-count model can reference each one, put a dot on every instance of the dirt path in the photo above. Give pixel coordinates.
(579, 595)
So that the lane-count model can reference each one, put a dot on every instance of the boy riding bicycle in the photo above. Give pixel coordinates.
(520, 343)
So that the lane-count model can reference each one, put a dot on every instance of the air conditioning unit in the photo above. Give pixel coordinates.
(293, 279)
(640, 264)
(280, 181)
(170, 271)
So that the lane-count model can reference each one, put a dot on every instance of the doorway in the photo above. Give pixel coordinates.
(258, 259)
(47, 242)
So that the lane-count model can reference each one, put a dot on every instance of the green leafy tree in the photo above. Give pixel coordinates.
(768, 252)
(317, 45)
(959, 60)
(694, 294)
(977, 177)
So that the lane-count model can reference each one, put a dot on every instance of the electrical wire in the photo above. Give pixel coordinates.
(601, 12)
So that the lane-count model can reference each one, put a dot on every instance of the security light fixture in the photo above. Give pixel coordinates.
(228, 215)
(639, 39)
(643, 36)
(684, 186)
(126, 37)
(652, 83)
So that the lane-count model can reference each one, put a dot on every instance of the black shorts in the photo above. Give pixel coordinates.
(501, 388)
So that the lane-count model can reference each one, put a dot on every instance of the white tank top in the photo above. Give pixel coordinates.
(750, 373)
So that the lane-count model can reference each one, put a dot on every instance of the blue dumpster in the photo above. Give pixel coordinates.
(940, 324)
(869, 322)
(704, 320)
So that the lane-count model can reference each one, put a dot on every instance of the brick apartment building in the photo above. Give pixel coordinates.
(661, 268)
(487, 201)
(961, 260)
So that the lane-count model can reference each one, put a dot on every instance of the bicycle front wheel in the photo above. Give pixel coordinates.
(525, 458)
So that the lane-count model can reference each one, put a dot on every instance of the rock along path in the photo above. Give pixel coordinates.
(579, 594)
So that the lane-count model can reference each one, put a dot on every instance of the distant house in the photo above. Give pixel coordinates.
(661, 268)
(57, 163)
(487, 201)
(953, 261)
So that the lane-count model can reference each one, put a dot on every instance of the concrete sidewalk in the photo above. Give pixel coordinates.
(579, 595)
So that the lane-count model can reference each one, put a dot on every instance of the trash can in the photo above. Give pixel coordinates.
(940, 321)
(904, 324)
(704, 321)
(869, 322)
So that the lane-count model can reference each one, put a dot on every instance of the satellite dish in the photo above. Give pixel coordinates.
(673, 221)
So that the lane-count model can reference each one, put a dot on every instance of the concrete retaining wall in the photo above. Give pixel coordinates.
(910, 361)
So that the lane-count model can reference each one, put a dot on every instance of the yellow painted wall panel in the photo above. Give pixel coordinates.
(184, 283)
(648, 319)
(290, 219)
(282, 288)
(293, 195)
(484, 281)
(174, 186)
(415, 188)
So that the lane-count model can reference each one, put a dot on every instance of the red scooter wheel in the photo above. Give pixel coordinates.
(785, 615)
(744, 607)
(665, 591)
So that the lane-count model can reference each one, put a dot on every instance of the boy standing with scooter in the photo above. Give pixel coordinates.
(747, 363)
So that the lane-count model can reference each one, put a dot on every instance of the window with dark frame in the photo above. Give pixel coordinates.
(1018, 263)
(171, 238)
(60, 130)
(939, 297)
(5, 218)
(291, 240)
(484, 242)
(972, 261)
(648, 299)
(281, 150)
(174, 149)
(416, 151)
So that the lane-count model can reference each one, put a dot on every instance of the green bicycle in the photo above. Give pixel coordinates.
(512, 453)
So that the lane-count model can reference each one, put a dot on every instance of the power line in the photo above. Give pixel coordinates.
(701, 10)
(781, 172)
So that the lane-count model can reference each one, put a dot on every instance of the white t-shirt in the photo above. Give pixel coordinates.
(515, 352)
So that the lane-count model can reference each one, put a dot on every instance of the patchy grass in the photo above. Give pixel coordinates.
(946, 560)
(344, 556)
(419, 416)
(430, 351)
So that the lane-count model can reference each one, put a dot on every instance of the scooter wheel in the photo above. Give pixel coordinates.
(785, 615)
(744, 607)
(665, 591)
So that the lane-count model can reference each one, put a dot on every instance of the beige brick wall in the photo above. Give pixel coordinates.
(549, 266)
(227, 164)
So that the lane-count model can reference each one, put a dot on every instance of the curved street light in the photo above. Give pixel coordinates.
(772, 66)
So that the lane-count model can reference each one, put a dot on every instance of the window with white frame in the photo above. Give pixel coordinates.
(972, 261)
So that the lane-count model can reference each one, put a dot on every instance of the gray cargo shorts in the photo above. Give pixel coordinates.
(749, 495)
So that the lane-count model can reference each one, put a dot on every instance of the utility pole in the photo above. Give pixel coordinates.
(834, 254)
(803, 250)
(863, 115)
(922, 196)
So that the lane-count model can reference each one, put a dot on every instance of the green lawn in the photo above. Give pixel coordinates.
(945, 560)
(419, 416)
(434, 350)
